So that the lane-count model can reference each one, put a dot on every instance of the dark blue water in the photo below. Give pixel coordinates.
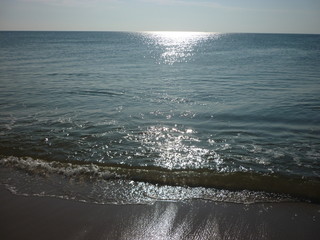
(173, 110)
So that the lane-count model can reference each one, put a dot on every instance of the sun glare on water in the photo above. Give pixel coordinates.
(177, 46)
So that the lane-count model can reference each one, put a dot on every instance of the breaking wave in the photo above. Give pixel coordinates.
(101, 183)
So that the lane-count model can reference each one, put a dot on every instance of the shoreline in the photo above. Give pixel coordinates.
(30, 217)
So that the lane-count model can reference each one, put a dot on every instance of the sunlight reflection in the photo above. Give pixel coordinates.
(177, 149)
(154, 225)
(177, 46)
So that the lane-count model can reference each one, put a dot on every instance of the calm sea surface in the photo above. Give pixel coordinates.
(124, 117)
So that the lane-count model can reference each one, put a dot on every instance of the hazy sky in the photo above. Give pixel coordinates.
(279, 16)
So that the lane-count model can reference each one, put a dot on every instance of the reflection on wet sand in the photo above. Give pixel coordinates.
(208, 220)
(168, 221)
(51, 218)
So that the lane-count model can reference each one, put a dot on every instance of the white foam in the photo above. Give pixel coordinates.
(44, 167)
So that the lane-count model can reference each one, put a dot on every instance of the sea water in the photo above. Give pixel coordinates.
(135, 117)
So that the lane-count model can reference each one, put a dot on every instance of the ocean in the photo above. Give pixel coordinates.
(138, 117)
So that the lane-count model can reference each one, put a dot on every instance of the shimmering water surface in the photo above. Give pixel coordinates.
(136, 117)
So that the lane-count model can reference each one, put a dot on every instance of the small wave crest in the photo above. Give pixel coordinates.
(126, 184)
(42, 167)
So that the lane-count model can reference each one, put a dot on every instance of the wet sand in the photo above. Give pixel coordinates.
(50, 218)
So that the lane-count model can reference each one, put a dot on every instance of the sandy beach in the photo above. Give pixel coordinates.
(51, 218)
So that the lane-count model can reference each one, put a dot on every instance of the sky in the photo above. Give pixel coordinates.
(262, 16)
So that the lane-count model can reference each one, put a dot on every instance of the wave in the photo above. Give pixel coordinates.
(97, 92)
(294, 187)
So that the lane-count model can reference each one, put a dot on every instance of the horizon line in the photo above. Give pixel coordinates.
(146, 31)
